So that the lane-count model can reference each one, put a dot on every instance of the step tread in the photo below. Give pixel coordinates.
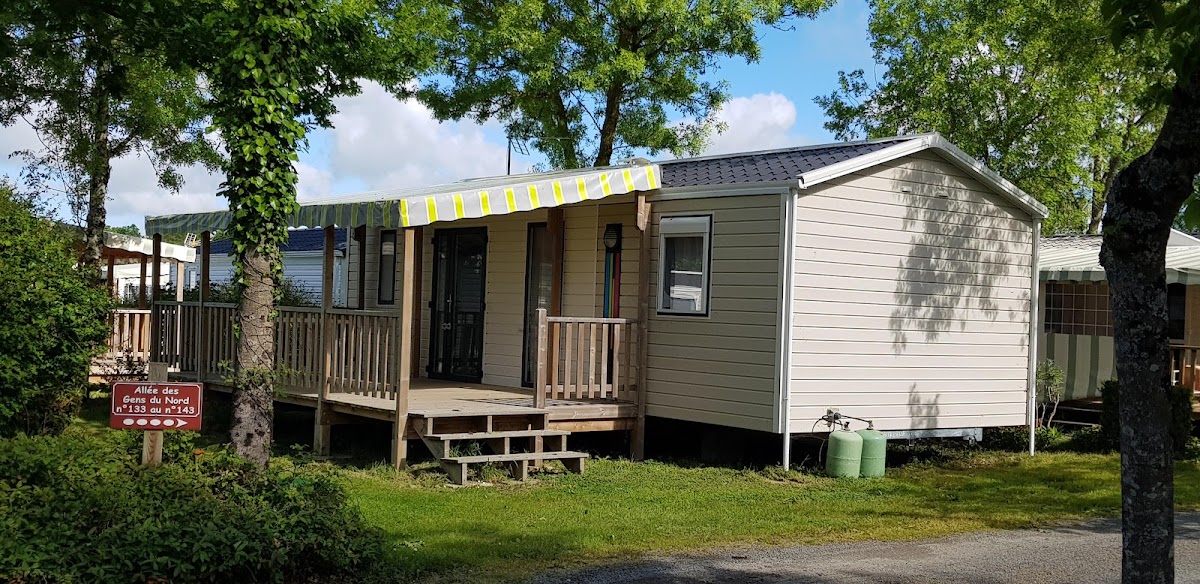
(502, 411)
(497, 434)
(516, 456)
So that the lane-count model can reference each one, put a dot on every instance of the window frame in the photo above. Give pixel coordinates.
(680, 226)
(379, 268)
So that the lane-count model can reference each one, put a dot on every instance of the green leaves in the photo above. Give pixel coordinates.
(585, 81)
(1031, 88)
(55, 320)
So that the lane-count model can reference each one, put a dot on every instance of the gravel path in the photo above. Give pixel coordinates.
(1084, 553)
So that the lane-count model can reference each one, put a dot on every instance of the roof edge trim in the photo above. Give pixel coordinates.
(775, 187)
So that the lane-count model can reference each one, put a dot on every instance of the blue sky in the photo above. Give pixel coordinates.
(379, 142)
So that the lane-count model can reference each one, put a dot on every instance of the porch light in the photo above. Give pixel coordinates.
(612, 237)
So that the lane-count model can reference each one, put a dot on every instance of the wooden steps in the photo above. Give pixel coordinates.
(515, 438)
(501, 434)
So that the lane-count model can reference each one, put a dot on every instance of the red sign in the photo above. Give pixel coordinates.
(156, 405)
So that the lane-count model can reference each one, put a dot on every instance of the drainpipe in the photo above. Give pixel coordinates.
(1034, 310)
(788, 223)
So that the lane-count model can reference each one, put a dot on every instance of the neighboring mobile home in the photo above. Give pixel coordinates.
(890, 279)
(1077, 331)
(302, 257)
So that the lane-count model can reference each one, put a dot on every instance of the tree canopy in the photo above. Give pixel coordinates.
(585, 80)
(1035, 90)
(91, 79)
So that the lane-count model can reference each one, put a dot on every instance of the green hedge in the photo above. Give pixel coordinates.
(81, 510)
(54, 321)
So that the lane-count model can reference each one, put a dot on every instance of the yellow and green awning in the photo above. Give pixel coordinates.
(463, 200)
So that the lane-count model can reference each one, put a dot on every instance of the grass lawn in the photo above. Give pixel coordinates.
(621, 509)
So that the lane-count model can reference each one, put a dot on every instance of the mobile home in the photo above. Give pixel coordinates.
(891, 279)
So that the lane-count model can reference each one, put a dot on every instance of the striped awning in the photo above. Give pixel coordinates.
(462, 200)
(1083, 264)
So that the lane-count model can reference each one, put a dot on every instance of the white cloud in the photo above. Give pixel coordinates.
(377, 142)
(387, 143)
(759, 122)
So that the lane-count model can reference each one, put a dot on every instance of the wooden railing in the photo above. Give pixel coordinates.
(585, 358)
(200, 340)
(298, 349)
(1185, 366)
(130, 332)
(363, 353)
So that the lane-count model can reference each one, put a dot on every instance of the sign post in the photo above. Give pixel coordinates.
(154, 406)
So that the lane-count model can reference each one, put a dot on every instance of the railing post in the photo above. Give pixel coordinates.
(539, 384)
(155, 299)
(322, 430)
(202, 324)
(403, 357)
(638, 446)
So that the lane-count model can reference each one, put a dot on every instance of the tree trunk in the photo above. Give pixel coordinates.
(608, 129)
(1144, 200)
(562, 118)
(253, 402)
(99, 172)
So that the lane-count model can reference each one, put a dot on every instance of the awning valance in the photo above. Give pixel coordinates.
(1083, 265)
(463, 200)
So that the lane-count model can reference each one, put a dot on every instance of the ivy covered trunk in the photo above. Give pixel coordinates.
(253, 403)
(1144, 201)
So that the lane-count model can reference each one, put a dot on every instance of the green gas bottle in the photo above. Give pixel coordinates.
(874, 452)
(845, 454)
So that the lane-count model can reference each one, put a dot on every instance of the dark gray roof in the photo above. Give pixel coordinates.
(298, 240)
(772, 165)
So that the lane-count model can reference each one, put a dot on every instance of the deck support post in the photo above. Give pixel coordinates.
(418, 275)
(177, 358)
(155, 298)
(403, 349)
(201, 345)
(539, 384)
(556, 229)
(322, 429)
(112, 281)
(638, 439)
(141, 292)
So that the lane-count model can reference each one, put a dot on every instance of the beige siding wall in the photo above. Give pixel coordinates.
(722, 369)
(910, 300)
(583, 277)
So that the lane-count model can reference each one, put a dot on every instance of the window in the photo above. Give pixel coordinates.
(1176, 310)
(387, 266)
(683, 273)
(1078, 308)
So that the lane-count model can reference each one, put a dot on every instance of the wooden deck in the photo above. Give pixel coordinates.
(431, 398)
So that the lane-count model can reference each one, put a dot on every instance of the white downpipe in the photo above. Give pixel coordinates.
(1034, 311)
(788, 223)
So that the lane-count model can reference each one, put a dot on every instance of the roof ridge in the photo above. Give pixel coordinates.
(801, 148)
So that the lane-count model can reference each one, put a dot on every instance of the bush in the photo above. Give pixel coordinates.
(1016, 439)
(1110, 413)
(1179, 402)
(55, 320)
(287, 292)
(74, 509)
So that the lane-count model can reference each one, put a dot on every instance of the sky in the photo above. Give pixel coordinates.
(380, 142)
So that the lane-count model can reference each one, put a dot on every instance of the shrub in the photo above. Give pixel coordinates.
(288, 293)
(1110, 413)
(54, 321)
(74, 509)
(1050, 385)
(1016, 439)
(1179, 400)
